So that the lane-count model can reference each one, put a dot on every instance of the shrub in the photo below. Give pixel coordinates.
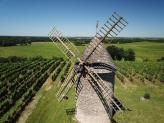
(115, 52)
(160, 59)
(129, 55)
(119, 53)
(147, 96)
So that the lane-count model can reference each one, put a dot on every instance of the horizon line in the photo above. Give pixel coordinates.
(77, 36)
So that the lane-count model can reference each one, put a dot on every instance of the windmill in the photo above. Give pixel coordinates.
(92, 73)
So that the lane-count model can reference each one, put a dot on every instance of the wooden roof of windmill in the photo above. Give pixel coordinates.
(99, 57)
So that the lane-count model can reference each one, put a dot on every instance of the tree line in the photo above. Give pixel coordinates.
(27, 40)
(15, 59)
(20, 40)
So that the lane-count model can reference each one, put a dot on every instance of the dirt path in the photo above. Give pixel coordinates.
(28, 110)
(31, 106)
(48, 84)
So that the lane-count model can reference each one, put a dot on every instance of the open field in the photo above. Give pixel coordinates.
(148, 111)
(19, 82)
(46, 50)
(49, 110)
(145, 50)
(150, 50)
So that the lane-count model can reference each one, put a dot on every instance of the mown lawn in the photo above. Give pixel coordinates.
(148, 111)
(49, 110)
(45, 49)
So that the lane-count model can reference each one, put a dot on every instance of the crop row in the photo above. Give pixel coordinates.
(19, 85)
(151, 71)
(65, 74)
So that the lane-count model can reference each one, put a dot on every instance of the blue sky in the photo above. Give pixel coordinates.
(78, 17)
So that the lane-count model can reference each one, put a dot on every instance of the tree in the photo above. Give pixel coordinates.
(160, 59)
(112, 50)
(119, 53)
(115, 52)
(129, 55)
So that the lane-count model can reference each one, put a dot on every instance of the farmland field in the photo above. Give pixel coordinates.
(20, 82)
(150, 50)
(36, 49)
(133, 80)
(150, 71)
(145, 50)
(44, 49)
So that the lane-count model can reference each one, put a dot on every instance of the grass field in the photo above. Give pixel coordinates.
(145, 50)
(46, 50)
(48, 110)
(149, 111)
(150, 50)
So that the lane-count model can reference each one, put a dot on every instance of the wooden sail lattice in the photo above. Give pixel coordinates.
(105, 90)
(63, 43)
(67, 84)
(113, 26)
(110, 29)
(107, 103)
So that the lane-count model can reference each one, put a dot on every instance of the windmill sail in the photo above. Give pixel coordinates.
(104, 89)
(71, 52)
(63, 43)
(94, 58)
(111, 28)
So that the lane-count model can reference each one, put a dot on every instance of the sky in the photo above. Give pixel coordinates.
(79, 17)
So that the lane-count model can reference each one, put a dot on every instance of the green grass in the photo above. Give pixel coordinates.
(150, 111)
(49, 110)
(47, 50)
(150, 50)
(44, 49)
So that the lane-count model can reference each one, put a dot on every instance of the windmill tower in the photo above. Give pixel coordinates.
(92, 74)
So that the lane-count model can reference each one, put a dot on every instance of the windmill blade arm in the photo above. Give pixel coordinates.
(66, 46)
(79, 86)
(98, 79)
(111, 28)
(99, 92)
(73, 80)
(106, 90)
(63, 90)
(119, 104)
